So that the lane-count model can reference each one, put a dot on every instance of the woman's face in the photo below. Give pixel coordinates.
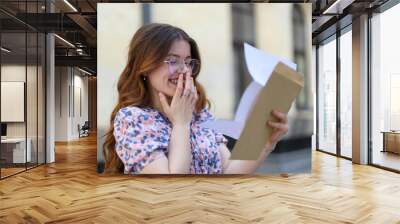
(164, 78)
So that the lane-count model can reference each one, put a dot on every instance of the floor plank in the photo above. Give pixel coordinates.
(70, 191)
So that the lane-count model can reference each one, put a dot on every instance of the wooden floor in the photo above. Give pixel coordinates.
(5, 172)
(10, 171)
(70, 191)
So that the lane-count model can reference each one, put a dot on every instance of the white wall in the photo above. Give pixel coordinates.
(17, 73)
(67, 80)
(80, 83)
(33, 127)
(61, 103)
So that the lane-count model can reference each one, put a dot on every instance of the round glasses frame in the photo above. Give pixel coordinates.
(175, 64)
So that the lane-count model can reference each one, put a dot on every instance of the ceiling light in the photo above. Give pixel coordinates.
(5, 50)
(329, 9)
(64, 40)
(338, 6)
(70, 5)
(86, 72)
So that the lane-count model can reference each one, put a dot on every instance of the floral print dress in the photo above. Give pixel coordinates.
(142, 136)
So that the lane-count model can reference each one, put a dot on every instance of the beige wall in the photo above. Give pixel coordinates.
(211, 28)
(274, 29)
(113, 39)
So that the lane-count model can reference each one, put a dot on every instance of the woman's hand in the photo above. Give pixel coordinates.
(279, 129)
(180, 111)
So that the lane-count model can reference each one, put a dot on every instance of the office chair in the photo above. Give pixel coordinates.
(84, 130)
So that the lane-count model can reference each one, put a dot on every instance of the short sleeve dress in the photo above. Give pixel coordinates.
(142, 135)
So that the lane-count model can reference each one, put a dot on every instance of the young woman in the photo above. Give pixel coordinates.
(156, 124)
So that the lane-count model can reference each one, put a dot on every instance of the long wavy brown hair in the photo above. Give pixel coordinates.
(147, 50)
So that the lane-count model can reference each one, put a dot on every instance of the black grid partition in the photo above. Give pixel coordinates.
(23, 86)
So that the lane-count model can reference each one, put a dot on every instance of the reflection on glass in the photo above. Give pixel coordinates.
(327, 97)
(345, 94)
(41, 97)
(31, 101)
(22, 90)
(394, 101)
(385, 86)
(13, 85)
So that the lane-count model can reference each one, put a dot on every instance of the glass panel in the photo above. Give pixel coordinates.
(23, 88)
(327, 97)
(346, 94)
(32, 73)
(13, 86)
(41, 99)
(31, 98)
(385, 84)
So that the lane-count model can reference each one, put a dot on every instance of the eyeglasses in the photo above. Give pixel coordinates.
(174, 64)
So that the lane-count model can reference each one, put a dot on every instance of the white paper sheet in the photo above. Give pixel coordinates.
(247, 100)
(226, 127)
(260, 66)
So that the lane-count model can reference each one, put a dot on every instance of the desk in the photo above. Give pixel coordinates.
(391, 141)
(16, 147)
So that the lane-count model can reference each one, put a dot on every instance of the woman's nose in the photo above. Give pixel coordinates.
(182, 68)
